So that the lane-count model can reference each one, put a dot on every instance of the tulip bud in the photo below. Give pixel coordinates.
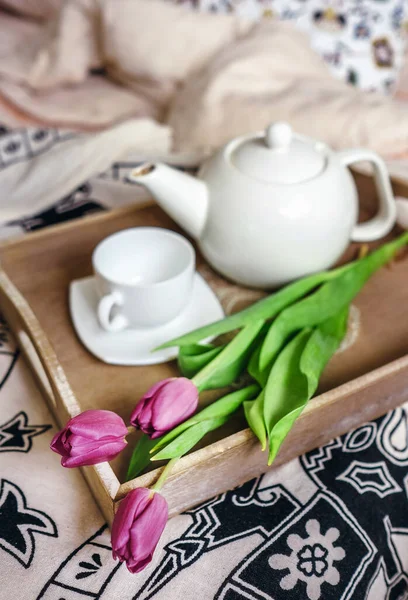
(91, 437)
(137, 527)
(164, 406)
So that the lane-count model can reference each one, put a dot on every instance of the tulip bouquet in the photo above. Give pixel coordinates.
(271, 367)
(96, 436)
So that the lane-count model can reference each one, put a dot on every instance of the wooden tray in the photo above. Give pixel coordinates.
(362, 383)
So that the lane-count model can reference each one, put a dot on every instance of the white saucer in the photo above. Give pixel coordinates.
(134, 346)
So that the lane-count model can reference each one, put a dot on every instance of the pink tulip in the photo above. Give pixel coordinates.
(90, 438)
(164, 406)
(137, 527)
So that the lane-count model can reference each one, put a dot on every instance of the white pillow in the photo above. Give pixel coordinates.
(361, 41)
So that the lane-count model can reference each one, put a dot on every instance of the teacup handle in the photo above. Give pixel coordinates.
(105, 307)
(384, 220)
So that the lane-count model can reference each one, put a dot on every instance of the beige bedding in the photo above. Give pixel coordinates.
(230, 77)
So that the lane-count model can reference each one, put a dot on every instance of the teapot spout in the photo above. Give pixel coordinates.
(183, 197)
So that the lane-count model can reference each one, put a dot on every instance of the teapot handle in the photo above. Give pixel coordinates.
(384, 220)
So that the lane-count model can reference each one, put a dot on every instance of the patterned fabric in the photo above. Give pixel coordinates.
(362, 41)
(330, 525)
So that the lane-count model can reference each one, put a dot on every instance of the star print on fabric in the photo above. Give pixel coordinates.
(16, 435)
(19, 523)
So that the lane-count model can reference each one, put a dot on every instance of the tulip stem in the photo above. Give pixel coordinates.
(164, 474)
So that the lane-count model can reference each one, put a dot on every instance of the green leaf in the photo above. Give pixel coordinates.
(193, 358)
(295, 375)
(321, 346)
(254, 414)
(140, 456)
(223, 407)
(327, 301)
(225, 368)
(253, 365)
(189, 438)
(281, 430)
(264, 309)
(286, 388)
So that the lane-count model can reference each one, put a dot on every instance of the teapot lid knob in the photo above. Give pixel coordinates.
(278, 155)
(279, 135)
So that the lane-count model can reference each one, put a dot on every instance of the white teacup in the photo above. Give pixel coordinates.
(144, 277)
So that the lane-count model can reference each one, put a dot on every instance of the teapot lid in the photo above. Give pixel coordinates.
(279, 156)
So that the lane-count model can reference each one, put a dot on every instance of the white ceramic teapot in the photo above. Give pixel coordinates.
(272, 207)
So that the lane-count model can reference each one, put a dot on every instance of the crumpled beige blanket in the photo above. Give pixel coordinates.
(272, 74)
(210, 77)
